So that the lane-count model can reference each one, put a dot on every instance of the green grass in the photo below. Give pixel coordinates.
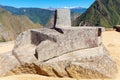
(104, 13)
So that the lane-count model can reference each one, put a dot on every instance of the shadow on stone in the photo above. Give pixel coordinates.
(37, 38)
(117, 28)
(58, 30)
(36, 54)
(99, 32)
(55, 21)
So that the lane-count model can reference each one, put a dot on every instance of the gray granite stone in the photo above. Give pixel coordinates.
(63, 18)
(53, 44)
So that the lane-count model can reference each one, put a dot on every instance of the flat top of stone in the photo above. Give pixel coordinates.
(54, 32)
(82, 27)
(67, 27)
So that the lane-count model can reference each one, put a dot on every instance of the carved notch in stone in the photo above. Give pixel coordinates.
(99, 32)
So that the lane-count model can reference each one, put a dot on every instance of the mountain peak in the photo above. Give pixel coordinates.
(104, 13)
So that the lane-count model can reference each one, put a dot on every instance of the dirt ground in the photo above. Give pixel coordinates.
(111, 40)
(6, 46)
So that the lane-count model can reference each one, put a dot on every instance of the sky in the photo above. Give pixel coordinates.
(47, 3)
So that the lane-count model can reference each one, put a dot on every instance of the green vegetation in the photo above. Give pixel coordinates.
(104, 13)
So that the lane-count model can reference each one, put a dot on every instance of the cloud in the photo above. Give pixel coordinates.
(71, 7)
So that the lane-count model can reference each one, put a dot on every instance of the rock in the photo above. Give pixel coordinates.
(24, 50)
(25, 54)
(53, 43)
(75, 52)
(37, 41)
(24, 69)
(23, 39)
(63, 18)
(7, 62)
(83, 60)
(87, 63)
(117, 27)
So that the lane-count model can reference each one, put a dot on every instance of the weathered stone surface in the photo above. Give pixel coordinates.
(24, 50)
(53, 43)
(23, 39)
(72, 39)
(25, 54)
(77, 53)
(63, 18)
(87, 63)
(26, 69)
(7, 62)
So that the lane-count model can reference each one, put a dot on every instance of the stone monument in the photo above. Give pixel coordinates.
(78, 52)
(62, 17)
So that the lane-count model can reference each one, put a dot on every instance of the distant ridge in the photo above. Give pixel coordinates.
(39, 15)
(78, 9)
(104, 13)
(73, 9)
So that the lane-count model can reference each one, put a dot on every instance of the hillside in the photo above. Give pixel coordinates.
(78, 10)
(11, 25)
(104, 13)
(74, 16)
(37, 15)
